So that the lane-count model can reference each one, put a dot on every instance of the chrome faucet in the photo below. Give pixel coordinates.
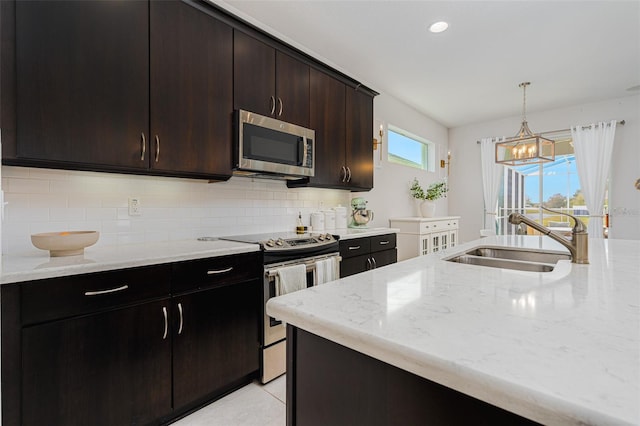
(578, 245)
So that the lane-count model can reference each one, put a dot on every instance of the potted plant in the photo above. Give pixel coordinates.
(434, 192)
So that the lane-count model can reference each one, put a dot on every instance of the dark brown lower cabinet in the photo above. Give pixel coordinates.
(363, 254)
(135, 346)
(111, 368)
(330, 384)
(215, 344)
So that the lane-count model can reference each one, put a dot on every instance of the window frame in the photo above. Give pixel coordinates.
(428, 151)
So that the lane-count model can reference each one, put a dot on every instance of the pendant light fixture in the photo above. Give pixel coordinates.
(525, 147)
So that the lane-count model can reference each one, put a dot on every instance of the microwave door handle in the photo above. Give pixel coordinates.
(302, 151)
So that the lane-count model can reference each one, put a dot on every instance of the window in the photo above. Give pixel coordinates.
(409, 150)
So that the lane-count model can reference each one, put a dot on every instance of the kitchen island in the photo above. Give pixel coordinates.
(559, 347)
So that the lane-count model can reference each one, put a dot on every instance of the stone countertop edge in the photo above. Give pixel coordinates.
(561, 347)
(37, 266)
(351, 233)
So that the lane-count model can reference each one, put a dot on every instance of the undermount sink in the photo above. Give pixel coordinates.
(511, 258)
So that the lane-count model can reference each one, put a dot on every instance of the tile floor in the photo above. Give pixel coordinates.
(252, 405)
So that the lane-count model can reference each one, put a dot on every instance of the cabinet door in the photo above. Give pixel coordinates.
(292, 90)
(355, 265)
(385, 257)
(215, 340)
(327, 118)
(254, 75)
(191, 90)
(82, 81)
(359, 148)
(112, 368)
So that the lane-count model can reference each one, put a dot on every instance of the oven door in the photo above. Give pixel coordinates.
(275, 331)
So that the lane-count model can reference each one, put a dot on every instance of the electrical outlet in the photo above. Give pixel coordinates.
(134, 206)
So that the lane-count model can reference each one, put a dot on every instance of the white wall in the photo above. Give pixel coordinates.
(465, 195)
(390, 196)
(44, 200)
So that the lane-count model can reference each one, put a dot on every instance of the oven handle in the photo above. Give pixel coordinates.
(310, 263)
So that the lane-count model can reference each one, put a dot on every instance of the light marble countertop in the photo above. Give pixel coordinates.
(560, 347)
(350, 233)
(38, 265)
(34, 266)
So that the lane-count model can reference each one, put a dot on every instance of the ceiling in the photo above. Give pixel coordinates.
(572, 51)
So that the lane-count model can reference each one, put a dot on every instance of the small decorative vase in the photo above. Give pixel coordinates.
(428, 208)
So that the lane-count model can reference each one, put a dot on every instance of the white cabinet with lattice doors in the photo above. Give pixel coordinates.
(420, 236)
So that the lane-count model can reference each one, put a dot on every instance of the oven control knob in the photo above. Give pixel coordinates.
(328, 237)
(270, 243)
(321, 237)
(280, 242)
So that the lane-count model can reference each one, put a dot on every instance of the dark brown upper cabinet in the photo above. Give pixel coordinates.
(359, 141)
(124, 86)
(191, 91)
(269, 82)
(82, 82)
(342, 118)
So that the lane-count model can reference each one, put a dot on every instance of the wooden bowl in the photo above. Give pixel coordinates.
(68, 243)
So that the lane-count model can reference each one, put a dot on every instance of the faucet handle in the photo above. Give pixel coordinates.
(579, 225)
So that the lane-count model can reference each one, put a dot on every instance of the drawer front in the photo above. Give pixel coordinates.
(62, 297)
(383, 242)
(204, 273)
(355, 247)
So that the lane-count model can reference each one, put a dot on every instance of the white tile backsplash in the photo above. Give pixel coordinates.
(45, 200)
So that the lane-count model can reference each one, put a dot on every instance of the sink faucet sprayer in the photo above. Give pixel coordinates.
(579, 244)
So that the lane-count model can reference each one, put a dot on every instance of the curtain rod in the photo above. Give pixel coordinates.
(620, 122)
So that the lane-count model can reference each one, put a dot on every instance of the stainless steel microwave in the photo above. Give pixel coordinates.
(265, 145)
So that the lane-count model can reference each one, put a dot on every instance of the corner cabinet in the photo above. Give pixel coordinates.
(134, 346)
(342, 118)
(421, 236)
(141, 100)
(366, 253)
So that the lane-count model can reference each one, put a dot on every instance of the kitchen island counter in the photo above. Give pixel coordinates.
(560, 347)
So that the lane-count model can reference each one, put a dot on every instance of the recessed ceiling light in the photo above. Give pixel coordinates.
(438, 27)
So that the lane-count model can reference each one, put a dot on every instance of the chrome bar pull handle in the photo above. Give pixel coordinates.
(111, 290)
(272, 104)
(181, 318)
(354, 247)
(143, 144)
(369, 265)
(166, 322)
(157, 148)
(384, 243)
(349, 170)
(281, 105)
(344, 173)
(220, 271)
(375, 264)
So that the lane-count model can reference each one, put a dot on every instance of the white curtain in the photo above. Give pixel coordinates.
(593, 148)
(491, 178)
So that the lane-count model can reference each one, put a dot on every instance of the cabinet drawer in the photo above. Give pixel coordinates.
(383, 242)
(204, 273)
(62, 297)
(355, 247)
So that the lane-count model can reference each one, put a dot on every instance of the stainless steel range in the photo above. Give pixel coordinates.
(281, 250)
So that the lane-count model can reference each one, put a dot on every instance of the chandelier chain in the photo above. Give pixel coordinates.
(524, 99)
